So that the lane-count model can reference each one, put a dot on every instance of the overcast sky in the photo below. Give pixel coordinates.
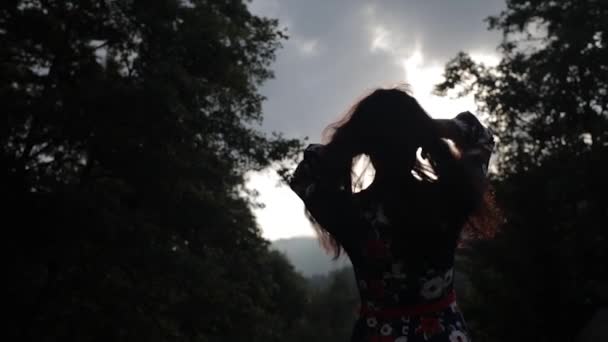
(339, 50)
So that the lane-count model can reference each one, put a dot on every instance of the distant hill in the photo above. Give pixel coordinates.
(308, 257)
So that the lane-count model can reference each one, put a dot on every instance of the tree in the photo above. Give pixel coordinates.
(545, 273)
(130, 127)
(331, 309)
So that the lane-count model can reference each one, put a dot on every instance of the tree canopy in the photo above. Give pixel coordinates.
(131, 125)
(545, 274)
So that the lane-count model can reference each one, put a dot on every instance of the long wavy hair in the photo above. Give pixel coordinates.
(363, 131)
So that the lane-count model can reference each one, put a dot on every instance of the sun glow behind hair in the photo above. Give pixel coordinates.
(363, 173)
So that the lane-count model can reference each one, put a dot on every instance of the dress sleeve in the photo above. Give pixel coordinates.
(328, 201)
(462, 179)
(478, 143)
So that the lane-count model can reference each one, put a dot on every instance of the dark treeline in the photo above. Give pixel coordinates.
(546, 274)
(129, 131)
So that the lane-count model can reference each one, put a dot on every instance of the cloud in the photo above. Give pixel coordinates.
(283, 214)
(381, 40)
(338, 50)
(307, 47)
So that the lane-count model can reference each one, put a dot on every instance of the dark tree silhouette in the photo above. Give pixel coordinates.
(542, 278)
(331, 308)
(130, 128)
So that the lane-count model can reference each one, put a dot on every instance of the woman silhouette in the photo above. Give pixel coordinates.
(401, 232)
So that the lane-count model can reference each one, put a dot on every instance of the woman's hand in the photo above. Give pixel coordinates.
(449, 129)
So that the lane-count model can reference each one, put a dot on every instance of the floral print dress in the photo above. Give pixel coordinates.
(402, 255)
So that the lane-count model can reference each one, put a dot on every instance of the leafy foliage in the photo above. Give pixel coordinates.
(549, 91)
(548, 105)
(330, 312)
(130, 128)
